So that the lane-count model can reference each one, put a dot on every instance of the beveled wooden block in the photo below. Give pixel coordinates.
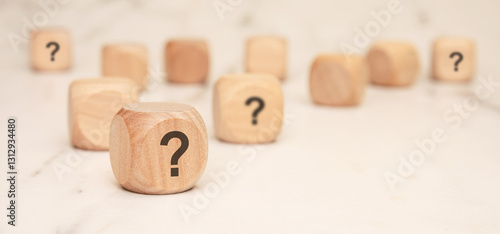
(187, 61)
(338, 80)
(266, 54)
(51, 50)
(158, 148)
(248, 108)
(454, 59)
(126, 61)
(92, 105)
(393, 63)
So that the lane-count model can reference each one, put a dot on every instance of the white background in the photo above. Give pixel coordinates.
(325, 173)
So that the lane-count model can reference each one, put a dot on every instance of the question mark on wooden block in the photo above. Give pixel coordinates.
(460, 57)
(258, 110)
(54, 51)
(174, 172)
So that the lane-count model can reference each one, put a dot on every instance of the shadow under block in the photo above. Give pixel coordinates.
(126, 61)
(248, 108)
(158, 148)
(92, 105)
(453, 59)
(51, 50)
(266, 55)
(338, 80)
(393, 63)
(187, 61)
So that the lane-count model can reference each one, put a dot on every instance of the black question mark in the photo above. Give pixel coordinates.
(184, 146)
(54, 51)
(460, 57)
(256, 111)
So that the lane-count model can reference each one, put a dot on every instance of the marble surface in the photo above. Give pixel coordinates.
(325, 174)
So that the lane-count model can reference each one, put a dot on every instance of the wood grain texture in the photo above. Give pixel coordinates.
(187, 61)
(41, 55)
(338, 80)
(233, 118)
(126, 61)
(267, 54)
(141, 163)
(393, 63)
(443, 67)
(92, 105)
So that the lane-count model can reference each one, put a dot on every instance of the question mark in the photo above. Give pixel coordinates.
(460, 57)
(184, 145)
(256, 111)
(54, 51)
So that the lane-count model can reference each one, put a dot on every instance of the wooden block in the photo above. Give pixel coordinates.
(248, 108)
(187, 61)
(51, 50)
(126, 61)
(267, 55)
(158, 148)
(453, 59)
(92, 105)
(338, 80)
(393, 63)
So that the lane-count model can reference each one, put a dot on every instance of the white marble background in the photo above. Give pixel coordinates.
(325, 174)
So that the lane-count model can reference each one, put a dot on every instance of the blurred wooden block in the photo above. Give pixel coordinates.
(267, 55)
(453, 59)
(187, 61)
(393, 63)
(126, 61)
(158, 148)
(51, 50)
(248, 108)
(92, 105)
(338, 80)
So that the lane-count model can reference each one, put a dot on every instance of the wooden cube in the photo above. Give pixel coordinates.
(393, 63)
(92, 105)
(187, 61)
(338, 80)
(126, 61)
(453, 59)
(51, 50)
(268, 55)
(248, 108)
(158, 148)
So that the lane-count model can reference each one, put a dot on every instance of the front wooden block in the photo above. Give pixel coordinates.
(127, 61)
(338, 80)
(158, 148)
(268, 55)
(453, 59)
(248, 108)
(187, 61)
(51, 50)
(393, 63)
(92, 105)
